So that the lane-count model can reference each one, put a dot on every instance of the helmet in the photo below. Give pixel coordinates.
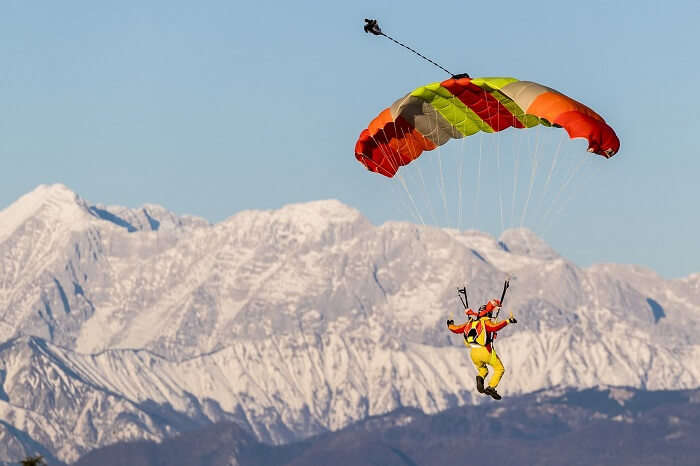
(493, 304)
(489, 307)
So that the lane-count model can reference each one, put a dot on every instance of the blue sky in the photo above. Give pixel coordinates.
(210, 108)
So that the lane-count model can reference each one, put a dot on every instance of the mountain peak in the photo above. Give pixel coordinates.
(525, 242)
(54, 201)
(298, 223)
(50, 192)
(327, 210)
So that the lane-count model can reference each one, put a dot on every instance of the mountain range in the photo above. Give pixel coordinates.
(123, 324)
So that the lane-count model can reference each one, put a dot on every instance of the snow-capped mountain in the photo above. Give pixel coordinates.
(295, 321)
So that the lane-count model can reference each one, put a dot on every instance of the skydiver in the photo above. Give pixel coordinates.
(479, 333)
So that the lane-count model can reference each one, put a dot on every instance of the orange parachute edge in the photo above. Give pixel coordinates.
(389, 143)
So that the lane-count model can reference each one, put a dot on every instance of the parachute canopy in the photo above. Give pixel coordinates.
(433, 114)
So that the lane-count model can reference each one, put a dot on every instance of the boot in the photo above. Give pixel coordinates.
(492, 393)
(479, 384)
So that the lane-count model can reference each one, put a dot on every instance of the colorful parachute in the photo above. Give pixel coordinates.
(432, 115)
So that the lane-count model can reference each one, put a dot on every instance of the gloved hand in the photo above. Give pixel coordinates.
(512, 319)
(450, 322)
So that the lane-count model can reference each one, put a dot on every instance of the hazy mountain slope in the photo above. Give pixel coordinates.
(588, 427)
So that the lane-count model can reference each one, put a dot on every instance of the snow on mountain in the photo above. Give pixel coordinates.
(53, 244)
(299, 320)
(55, 205)
(292, 387)
(44, 405)
(150, 217)
(523, 242)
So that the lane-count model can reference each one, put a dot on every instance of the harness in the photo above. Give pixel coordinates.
(476, 327)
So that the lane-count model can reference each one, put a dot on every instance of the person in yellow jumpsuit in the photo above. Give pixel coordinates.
(479, 333)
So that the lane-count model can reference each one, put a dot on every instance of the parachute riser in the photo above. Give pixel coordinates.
(505, 288)
(462, 293)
